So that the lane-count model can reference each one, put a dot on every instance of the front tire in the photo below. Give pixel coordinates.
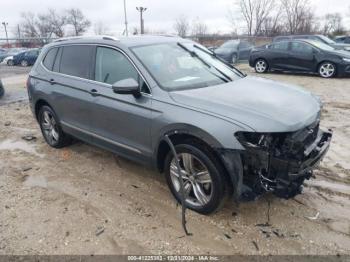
(51, 129)
(327, 70)
(234, 59)
(204, 183)
(261, 66)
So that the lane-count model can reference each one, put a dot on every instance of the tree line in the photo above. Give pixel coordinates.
(270, 18)
(52, 24)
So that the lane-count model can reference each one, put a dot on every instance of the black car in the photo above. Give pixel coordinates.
(301, 56)
(26, 58)
(234, 50)
(319, 38)
(342, 39)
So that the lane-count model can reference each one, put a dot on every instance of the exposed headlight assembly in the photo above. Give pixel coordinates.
(346, 60)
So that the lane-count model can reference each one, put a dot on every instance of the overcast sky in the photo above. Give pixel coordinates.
(159, 16)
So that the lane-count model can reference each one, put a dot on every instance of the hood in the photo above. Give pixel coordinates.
(263, 105)
(341, 46)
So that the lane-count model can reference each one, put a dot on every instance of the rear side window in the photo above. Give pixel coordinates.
(112, 66)
(77, 60)
(281, 46)
(49, 59)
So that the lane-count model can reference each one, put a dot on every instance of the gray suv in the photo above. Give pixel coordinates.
(234, 135)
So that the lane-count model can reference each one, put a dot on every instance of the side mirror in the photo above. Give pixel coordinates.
(127, 86)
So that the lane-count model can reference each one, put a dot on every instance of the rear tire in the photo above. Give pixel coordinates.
(234, 59)
(24, 63)
(261, 66)
(10, 62)
(51, 129)
(206, 186)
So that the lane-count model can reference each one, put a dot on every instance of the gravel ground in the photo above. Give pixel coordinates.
(84, 200)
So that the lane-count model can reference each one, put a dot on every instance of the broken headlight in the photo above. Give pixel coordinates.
(254, 140)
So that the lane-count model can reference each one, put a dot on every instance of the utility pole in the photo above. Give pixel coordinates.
(126, 20)
(7, 38)
(141, 10)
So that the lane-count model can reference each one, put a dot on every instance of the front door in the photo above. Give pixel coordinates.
(120, 122)
(302, 57)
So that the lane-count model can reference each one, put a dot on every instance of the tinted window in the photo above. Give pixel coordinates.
(112, 66)
(301, 48)
(50, 58)
(281, 46)
(76, 60)
(244, 45)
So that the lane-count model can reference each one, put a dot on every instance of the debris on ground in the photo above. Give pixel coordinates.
(7, 123)
(256, 245)
(315, 217)
(99, 231)
(29, 137)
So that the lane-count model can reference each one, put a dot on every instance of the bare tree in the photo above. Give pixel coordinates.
(29, 25)
(76, 18)
(199, 28)
(58, 22)
(182, 26)
(333, 24)
(255, 13)
(298, 15)
(101, 28)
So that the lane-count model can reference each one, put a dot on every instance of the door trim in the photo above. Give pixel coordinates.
(102, 138)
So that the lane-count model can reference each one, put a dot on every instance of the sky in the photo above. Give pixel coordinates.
(160, 15)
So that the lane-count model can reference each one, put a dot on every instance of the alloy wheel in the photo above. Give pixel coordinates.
(234, 59)
(10, 62)
(24, 63)
(197, 181)
(260, 66)
(49, 126)
(327, 70)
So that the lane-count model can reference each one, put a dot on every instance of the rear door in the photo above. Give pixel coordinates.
(120, 122)
(302, 57)
(71, 87)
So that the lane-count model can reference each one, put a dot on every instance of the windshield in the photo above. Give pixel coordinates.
(322, 45)
(326, 39)
(178, 66)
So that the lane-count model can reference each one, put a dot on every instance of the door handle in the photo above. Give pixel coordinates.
(94, 92)
(52, 81)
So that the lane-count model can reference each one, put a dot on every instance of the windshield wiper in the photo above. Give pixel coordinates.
(220, 59)
(194, 54)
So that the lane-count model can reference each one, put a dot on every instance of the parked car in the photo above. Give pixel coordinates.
(234, 135)
(342, 39)
(26, 58)
(10, 52)
(8, 60)
(301, 56)
(234, 50)
(320, 38)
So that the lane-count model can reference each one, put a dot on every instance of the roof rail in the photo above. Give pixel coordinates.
(104, 37)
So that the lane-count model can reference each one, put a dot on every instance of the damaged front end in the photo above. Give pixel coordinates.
(280, 162)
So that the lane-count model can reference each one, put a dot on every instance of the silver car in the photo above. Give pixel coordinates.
(234, 135)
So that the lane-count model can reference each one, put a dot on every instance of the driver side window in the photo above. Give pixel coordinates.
(112, 66)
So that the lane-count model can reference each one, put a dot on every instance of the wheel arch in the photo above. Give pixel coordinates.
(178, 136)
(38, 105)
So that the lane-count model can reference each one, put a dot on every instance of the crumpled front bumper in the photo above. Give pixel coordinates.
(291, 173)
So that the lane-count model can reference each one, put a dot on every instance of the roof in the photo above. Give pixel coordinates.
(127, 41)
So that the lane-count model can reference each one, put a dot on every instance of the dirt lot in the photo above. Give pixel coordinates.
(84, 200)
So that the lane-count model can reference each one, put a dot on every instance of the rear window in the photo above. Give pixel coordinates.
(77, 60)
(49, 59)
